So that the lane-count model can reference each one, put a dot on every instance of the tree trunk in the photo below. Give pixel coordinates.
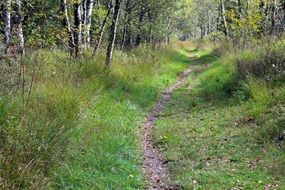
(66, 25)
(84, 23)
(7, 24)
(273, 19)
(113, 32)
(139, 36)
(89, 9)
(223, 14)
(208, 23)
(17, 28)
(128, 35)
(125, 28)
(102, 29)
(77, 27)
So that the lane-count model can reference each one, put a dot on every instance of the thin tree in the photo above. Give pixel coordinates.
(17, 28)
(141, 19)
(273, 19)
(7, 24)
(89, 10)
(102, 29)
(224, 19)
(67, 26)
(77, 27)
(113, 32)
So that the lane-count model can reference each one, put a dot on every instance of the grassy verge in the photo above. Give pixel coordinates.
(80, 128)
(217, 133)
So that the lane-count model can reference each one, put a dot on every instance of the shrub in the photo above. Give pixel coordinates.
(267, 64)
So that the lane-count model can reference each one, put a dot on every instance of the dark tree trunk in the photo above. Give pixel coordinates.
(113, 32)
(17, 26)
(139, 35)
(77, 27)
(273, 19)
(125, 28)
(84, 23)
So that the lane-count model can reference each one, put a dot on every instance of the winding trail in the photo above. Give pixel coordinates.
(154, 165)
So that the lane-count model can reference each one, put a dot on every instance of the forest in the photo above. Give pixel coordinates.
(142, 94)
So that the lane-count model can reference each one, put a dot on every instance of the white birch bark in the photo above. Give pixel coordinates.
(18, 26)
(102, 29)
(113, 34)
(224, 17)
(66, 24)
(7, 24)
(89, 10)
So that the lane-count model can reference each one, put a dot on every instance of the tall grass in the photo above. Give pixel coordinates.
(74, 127)
(255, 77)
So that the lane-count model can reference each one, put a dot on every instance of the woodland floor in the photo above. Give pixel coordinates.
(207, 143)
(188, 141)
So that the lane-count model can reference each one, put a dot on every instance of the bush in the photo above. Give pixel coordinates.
(267, 64)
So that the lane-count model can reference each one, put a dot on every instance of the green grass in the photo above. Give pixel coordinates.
(210, 137)
(81, 127)
(105, 150)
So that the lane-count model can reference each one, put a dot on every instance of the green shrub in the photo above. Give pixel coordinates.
(267, 64)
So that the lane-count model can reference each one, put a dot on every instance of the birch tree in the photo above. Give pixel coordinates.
(102, 29)
(17, 30)
(89, 10)
(67, 27)
(113, 33)
(7, 24)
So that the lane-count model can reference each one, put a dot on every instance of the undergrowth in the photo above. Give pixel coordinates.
(225, 128)
(67, 125)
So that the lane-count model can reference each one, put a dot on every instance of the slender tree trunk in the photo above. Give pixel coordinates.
(113, 31)
(102, 29)
(66, 25)
(89, 10)
(208, 23)
(273, 19)
(78, 27)
(84, 23)
(128, 35)
(201, 31)
(223, 14)
(17, 28)
(7, 24)
(125, 28)
(139, 36)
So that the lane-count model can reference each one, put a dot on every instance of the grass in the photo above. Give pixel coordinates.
(81, 129)
(214, 138)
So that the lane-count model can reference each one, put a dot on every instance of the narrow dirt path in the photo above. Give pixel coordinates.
(154, 165)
